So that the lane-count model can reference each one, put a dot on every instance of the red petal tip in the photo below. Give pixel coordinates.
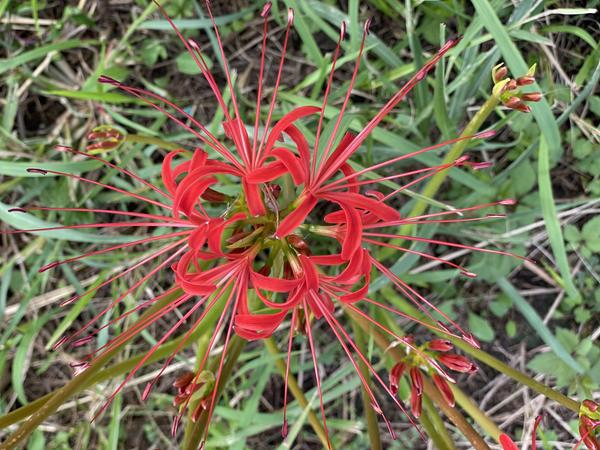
(21, 210)
(367, 25)
(35, 170)
(290, 16)
(59, 343)
(266, 9)
(508, 201)
(486, 134)
(63, 148)
(469, 274)
(343, 30)
(105, 79)
(48, 266)
(192, 43)
(146, 392)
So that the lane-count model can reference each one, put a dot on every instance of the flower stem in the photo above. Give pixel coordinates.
(432, 422)
(476, 413)
(150, 140)
(370, 414)
(296, 391)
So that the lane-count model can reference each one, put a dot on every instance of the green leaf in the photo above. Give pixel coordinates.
(511, 328)
(538, 325)
(591, 234)
(481, 328)
(551, 221)
(40, 52)
(186, 64)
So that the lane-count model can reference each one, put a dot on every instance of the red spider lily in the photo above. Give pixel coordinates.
(256, 256)
(423, 360)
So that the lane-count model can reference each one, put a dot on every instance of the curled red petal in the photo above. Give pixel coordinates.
(296, 217)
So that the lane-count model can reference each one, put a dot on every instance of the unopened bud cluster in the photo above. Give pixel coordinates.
(424, 359)
(508, 91)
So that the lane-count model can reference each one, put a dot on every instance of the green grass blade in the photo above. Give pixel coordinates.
(39, 52)
(538, 325)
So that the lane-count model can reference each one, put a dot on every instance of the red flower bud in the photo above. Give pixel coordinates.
(440, 345)
(395, 375)
(444, 389)
(415, 403)
(500, 74)
(525, 80)
(417, 380)
(532, 97)
(457, 363)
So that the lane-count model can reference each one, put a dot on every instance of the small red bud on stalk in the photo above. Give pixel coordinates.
(525, 80)
(532, 97)
(500, 74)
(440, 345)
(457, 363)
(395, 375)
(444, 389)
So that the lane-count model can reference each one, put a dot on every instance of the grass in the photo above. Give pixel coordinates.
(535, 317)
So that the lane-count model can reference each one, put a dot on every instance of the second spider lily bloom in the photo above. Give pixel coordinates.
(422, 361)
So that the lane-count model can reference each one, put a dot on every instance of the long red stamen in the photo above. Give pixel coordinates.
(113, 248)
(142, 93)
(316, 370)
(424, 255)
(114, 166)
(133, 287)
(448, 244)
(288, 27)
(411, 294)
(244, 150)
(116, 212)
(140, 263)
(325, 97)
(397, 98)
(265, 15)
(97, 183)
(318, 179)
(284, 427)
(216, 295)
(482, 135)
(333, 324)
(146, 357)
(200, 63)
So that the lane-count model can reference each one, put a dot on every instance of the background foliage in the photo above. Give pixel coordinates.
(542, 318)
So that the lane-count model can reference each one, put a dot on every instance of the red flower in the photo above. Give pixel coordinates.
(258, 245)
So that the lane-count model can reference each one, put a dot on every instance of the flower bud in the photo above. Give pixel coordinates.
(525, 80)
(415, 403)
(499, 73)
(457, 363)
(532, 97)
(417, 380)
(444, 389)
(395, 375)
(440, 345)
